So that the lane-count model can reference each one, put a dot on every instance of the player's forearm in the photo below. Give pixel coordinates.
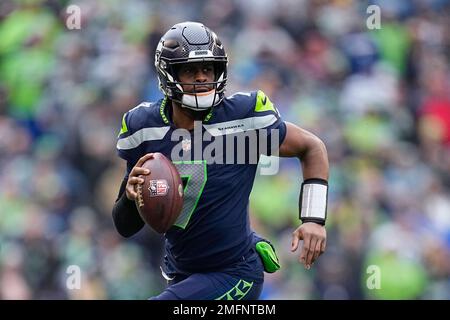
(314, 160)
(126, 217)
(309, 149)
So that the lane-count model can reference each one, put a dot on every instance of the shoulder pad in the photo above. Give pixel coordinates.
(263, 103)
(146, 114)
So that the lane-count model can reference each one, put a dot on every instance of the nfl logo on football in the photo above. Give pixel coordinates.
(158, 188)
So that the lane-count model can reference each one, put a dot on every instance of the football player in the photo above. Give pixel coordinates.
(211, 251)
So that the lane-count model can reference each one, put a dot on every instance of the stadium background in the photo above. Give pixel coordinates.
(378, 98)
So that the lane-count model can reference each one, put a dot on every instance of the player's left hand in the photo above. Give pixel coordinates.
(314, 238)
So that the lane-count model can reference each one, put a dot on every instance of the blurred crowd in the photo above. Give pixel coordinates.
(380, 100)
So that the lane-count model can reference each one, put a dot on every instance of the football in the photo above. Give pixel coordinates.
(160, 198)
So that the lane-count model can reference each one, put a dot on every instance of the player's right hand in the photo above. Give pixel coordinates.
(134, 179)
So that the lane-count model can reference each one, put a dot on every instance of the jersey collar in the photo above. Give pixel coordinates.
(165, 114)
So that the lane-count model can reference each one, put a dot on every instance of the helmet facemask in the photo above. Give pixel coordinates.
(199, 98)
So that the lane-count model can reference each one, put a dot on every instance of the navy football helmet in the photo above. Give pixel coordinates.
(191, 42)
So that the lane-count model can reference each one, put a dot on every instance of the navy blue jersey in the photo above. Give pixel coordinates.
(213, 229)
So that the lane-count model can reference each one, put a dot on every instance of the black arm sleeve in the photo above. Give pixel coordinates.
(125, 215)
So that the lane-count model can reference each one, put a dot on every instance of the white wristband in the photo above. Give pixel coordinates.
(313, 201)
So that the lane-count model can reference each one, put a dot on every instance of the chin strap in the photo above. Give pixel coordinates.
(200, 101)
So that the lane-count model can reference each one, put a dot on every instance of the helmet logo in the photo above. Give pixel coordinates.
(200, 53)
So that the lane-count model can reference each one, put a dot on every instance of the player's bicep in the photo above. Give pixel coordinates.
(297, 141)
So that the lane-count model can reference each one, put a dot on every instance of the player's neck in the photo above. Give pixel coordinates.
(184, 118)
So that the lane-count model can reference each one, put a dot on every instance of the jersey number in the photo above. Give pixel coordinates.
(193, 174)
